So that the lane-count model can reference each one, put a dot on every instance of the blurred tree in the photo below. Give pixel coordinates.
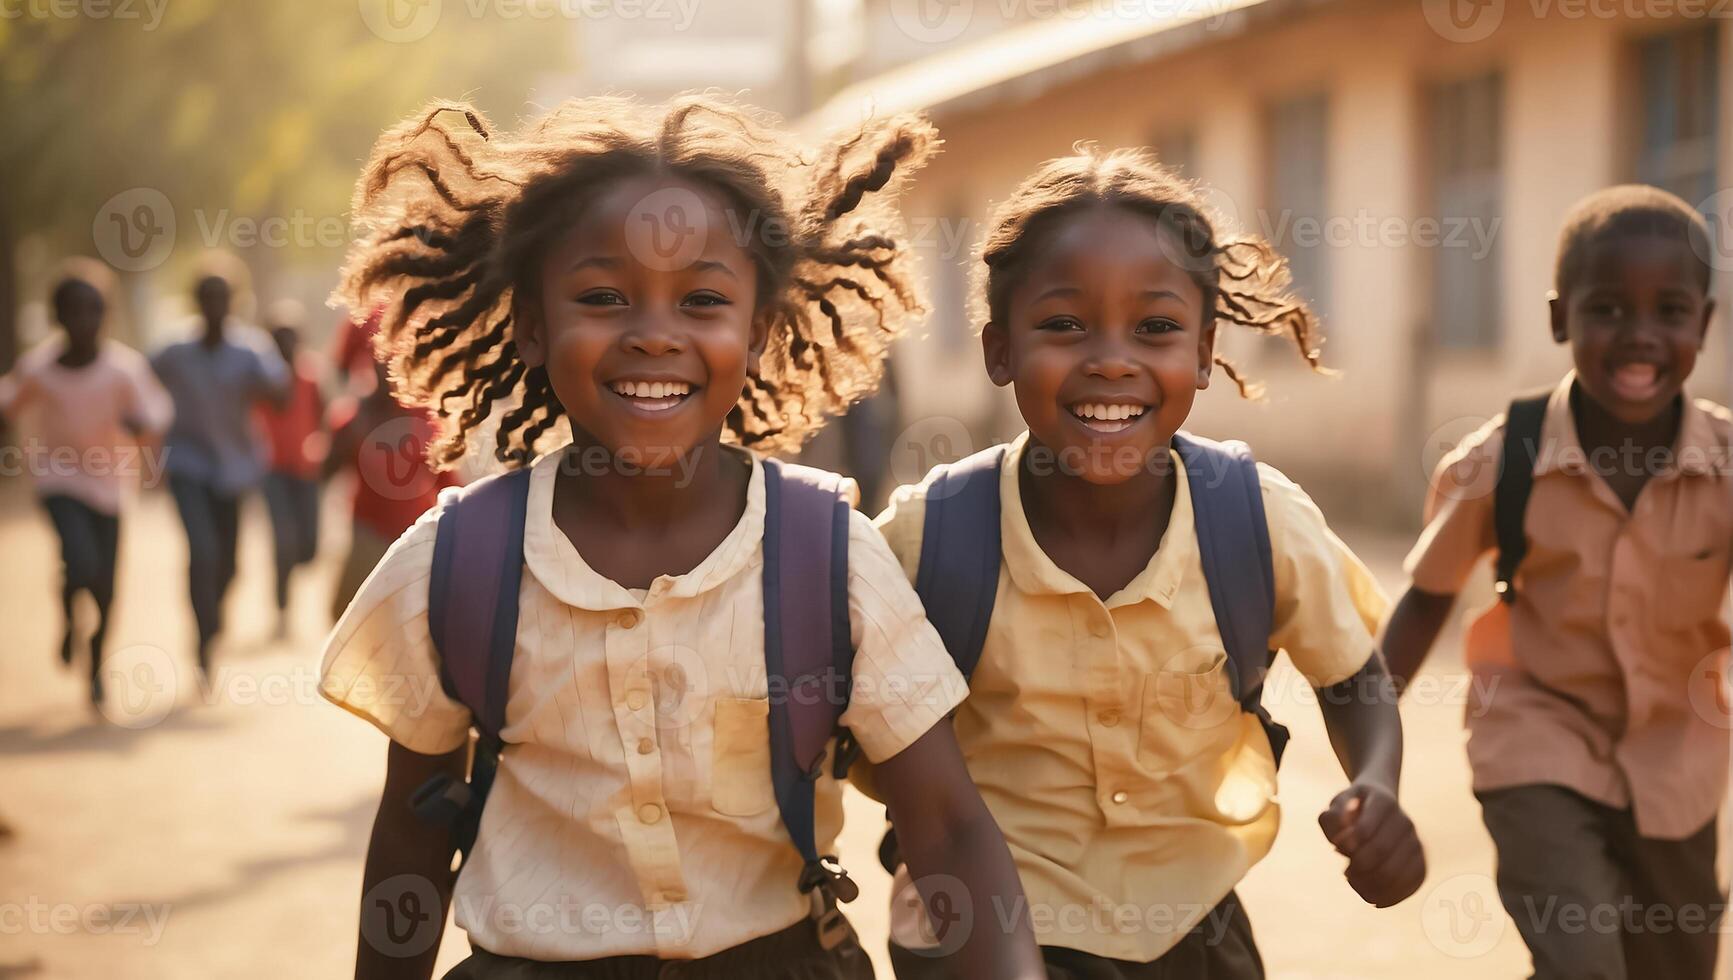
(231, 109)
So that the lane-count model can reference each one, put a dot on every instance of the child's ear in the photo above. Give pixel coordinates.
(1206, 355)
(996, 353)
(1560, 320)
(756, 343)
(1708, 317)
(528, 331)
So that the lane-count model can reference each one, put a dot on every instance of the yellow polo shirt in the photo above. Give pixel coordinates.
(1103, 736)
(633, 812)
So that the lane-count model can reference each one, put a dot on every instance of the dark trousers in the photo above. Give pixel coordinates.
(212, 522)
(1218, 948)
(89, 545)
(1592, 898)
(294, 506)
(792, 954)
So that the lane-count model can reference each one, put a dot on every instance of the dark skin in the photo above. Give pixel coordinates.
(1635, 317)
(79, 309)
(1101, 323)
(602, 324)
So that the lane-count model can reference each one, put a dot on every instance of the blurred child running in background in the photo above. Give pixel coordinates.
(94, 405)
(295, 433)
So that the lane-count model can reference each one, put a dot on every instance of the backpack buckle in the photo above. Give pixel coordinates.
(847, 750)
(441, 800)
(826, 879)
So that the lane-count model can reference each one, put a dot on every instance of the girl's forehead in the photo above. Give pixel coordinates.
(1106, 237)
(661, 222)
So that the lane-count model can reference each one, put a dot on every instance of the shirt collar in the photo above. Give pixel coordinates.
(1697, 451)
(1034, 572)
(555, 562)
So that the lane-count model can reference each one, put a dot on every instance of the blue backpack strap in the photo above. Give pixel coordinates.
(472, 613)
(808, 657)
(958, 575)
(1233, 537)
(1522, 425)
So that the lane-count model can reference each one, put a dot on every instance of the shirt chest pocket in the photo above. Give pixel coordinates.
(1189, 714)
(740, 762)
(1694, 587)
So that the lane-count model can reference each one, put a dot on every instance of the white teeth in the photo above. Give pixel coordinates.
(1105, 412)
(651, 389)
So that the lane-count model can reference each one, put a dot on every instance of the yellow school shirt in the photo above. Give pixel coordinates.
(1132, 790)
(633, 810)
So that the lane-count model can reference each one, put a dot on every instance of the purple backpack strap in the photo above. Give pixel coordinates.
(958, 575)
(472, 614)
(808, 651)
(1233, 536)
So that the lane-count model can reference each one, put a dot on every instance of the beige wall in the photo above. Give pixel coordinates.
(1361, 440)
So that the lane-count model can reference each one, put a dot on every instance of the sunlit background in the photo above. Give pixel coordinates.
(1411, 158)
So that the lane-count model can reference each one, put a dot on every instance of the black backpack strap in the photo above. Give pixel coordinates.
(808, 655)
(1233, 537)
(1522, 431)
(958, 575)
(472, 615)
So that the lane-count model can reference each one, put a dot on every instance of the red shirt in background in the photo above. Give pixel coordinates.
(393, 483)
(293, 432)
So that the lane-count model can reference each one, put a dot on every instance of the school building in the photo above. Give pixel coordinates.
(1411, 158)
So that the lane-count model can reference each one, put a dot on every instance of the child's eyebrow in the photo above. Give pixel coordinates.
(598, 261)
(709, 265)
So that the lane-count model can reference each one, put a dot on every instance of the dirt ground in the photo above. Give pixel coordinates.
(186, 835)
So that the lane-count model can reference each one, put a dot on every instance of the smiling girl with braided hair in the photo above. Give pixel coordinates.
(648, 298)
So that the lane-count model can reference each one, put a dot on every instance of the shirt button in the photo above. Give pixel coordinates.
(636, 700)
(1120, 797)
(1108, 718)
(628, 619)
(649, 813)
(646, 746)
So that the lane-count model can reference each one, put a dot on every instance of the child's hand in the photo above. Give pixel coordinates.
(1385, 861)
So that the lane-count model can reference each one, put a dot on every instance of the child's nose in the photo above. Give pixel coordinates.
(653, 336)
(1110, 359)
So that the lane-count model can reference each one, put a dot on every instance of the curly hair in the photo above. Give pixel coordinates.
(1243, 280)
(456, 219)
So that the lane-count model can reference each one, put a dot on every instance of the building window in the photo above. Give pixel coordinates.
(1467, 150)
(1679, 85)
(1296, 194)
